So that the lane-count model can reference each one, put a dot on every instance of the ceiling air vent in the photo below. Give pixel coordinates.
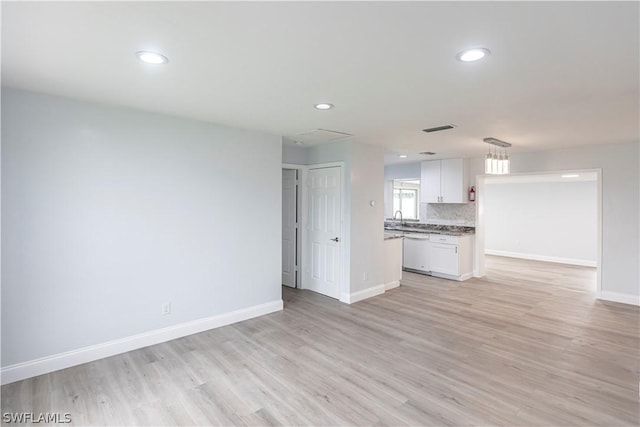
(438, 128)
(428, 153)
(321, 135)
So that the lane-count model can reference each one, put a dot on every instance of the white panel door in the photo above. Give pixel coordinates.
(325, 236)
(289, 223)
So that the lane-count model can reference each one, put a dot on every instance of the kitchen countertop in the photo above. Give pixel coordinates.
(392, 235)
(450, 230)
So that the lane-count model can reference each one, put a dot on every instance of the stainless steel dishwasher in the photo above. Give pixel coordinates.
(416, 252)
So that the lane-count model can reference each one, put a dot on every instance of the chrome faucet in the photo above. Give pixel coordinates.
(396, 214)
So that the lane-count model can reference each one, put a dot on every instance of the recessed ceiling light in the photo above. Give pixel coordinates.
(323, 106)
(470, 55)
(570, 175)
(403, 156)
(151, 57)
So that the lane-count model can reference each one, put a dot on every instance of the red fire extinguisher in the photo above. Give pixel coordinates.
(472, 194)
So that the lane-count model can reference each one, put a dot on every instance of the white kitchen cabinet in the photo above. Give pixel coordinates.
(430, 182)
(443, 258)
(444, 181)
(451, 257)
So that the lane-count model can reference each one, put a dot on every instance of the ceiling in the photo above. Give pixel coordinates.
(560, 74)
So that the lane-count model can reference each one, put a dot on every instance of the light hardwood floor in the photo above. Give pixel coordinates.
(526, 345)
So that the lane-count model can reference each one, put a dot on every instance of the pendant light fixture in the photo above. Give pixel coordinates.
(506, 165)
(487, 162)
(494, 164)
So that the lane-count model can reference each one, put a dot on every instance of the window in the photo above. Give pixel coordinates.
(405, 198)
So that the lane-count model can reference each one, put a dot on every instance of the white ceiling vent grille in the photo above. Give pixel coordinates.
(321, 135)
(438, 128)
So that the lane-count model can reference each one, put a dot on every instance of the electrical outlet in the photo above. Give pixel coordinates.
(166, 308)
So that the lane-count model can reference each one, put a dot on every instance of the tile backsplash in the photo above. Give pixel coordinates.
(448, 213)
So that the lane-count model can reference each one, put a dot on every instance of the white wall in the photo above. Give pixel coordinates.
(402, 171)
(294, 155)
(367, 226)
(620, 205)
(107, 213)
(549, 221)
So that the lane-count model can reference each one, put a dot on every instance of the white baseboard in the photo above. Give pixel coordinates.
(363, 294)
(616, 297)
(465, 276)
(391, 285)
(460, 278)
(535, 257)
(59, 361)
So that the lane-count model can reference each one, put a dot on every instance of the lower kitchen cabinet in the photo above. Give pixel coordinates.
(451, 257)
(444, 258)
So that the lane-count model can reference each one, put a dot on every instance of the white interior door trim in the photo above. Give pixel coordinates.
(290, 228)
(301, 218)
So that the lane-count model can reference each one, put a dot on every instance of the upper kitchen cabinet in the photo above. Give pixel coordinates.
(444, 181)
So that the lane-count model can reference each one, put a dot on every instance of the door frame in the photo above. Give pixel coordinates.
(299, 169)
(303, 206)
(298, 227)
(479, 256)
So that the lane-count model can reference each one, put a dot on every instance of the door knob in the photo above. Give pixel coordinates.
(335, 239)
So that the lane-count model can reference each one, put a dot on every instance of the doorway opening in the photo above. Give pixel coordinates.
(545, 216)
